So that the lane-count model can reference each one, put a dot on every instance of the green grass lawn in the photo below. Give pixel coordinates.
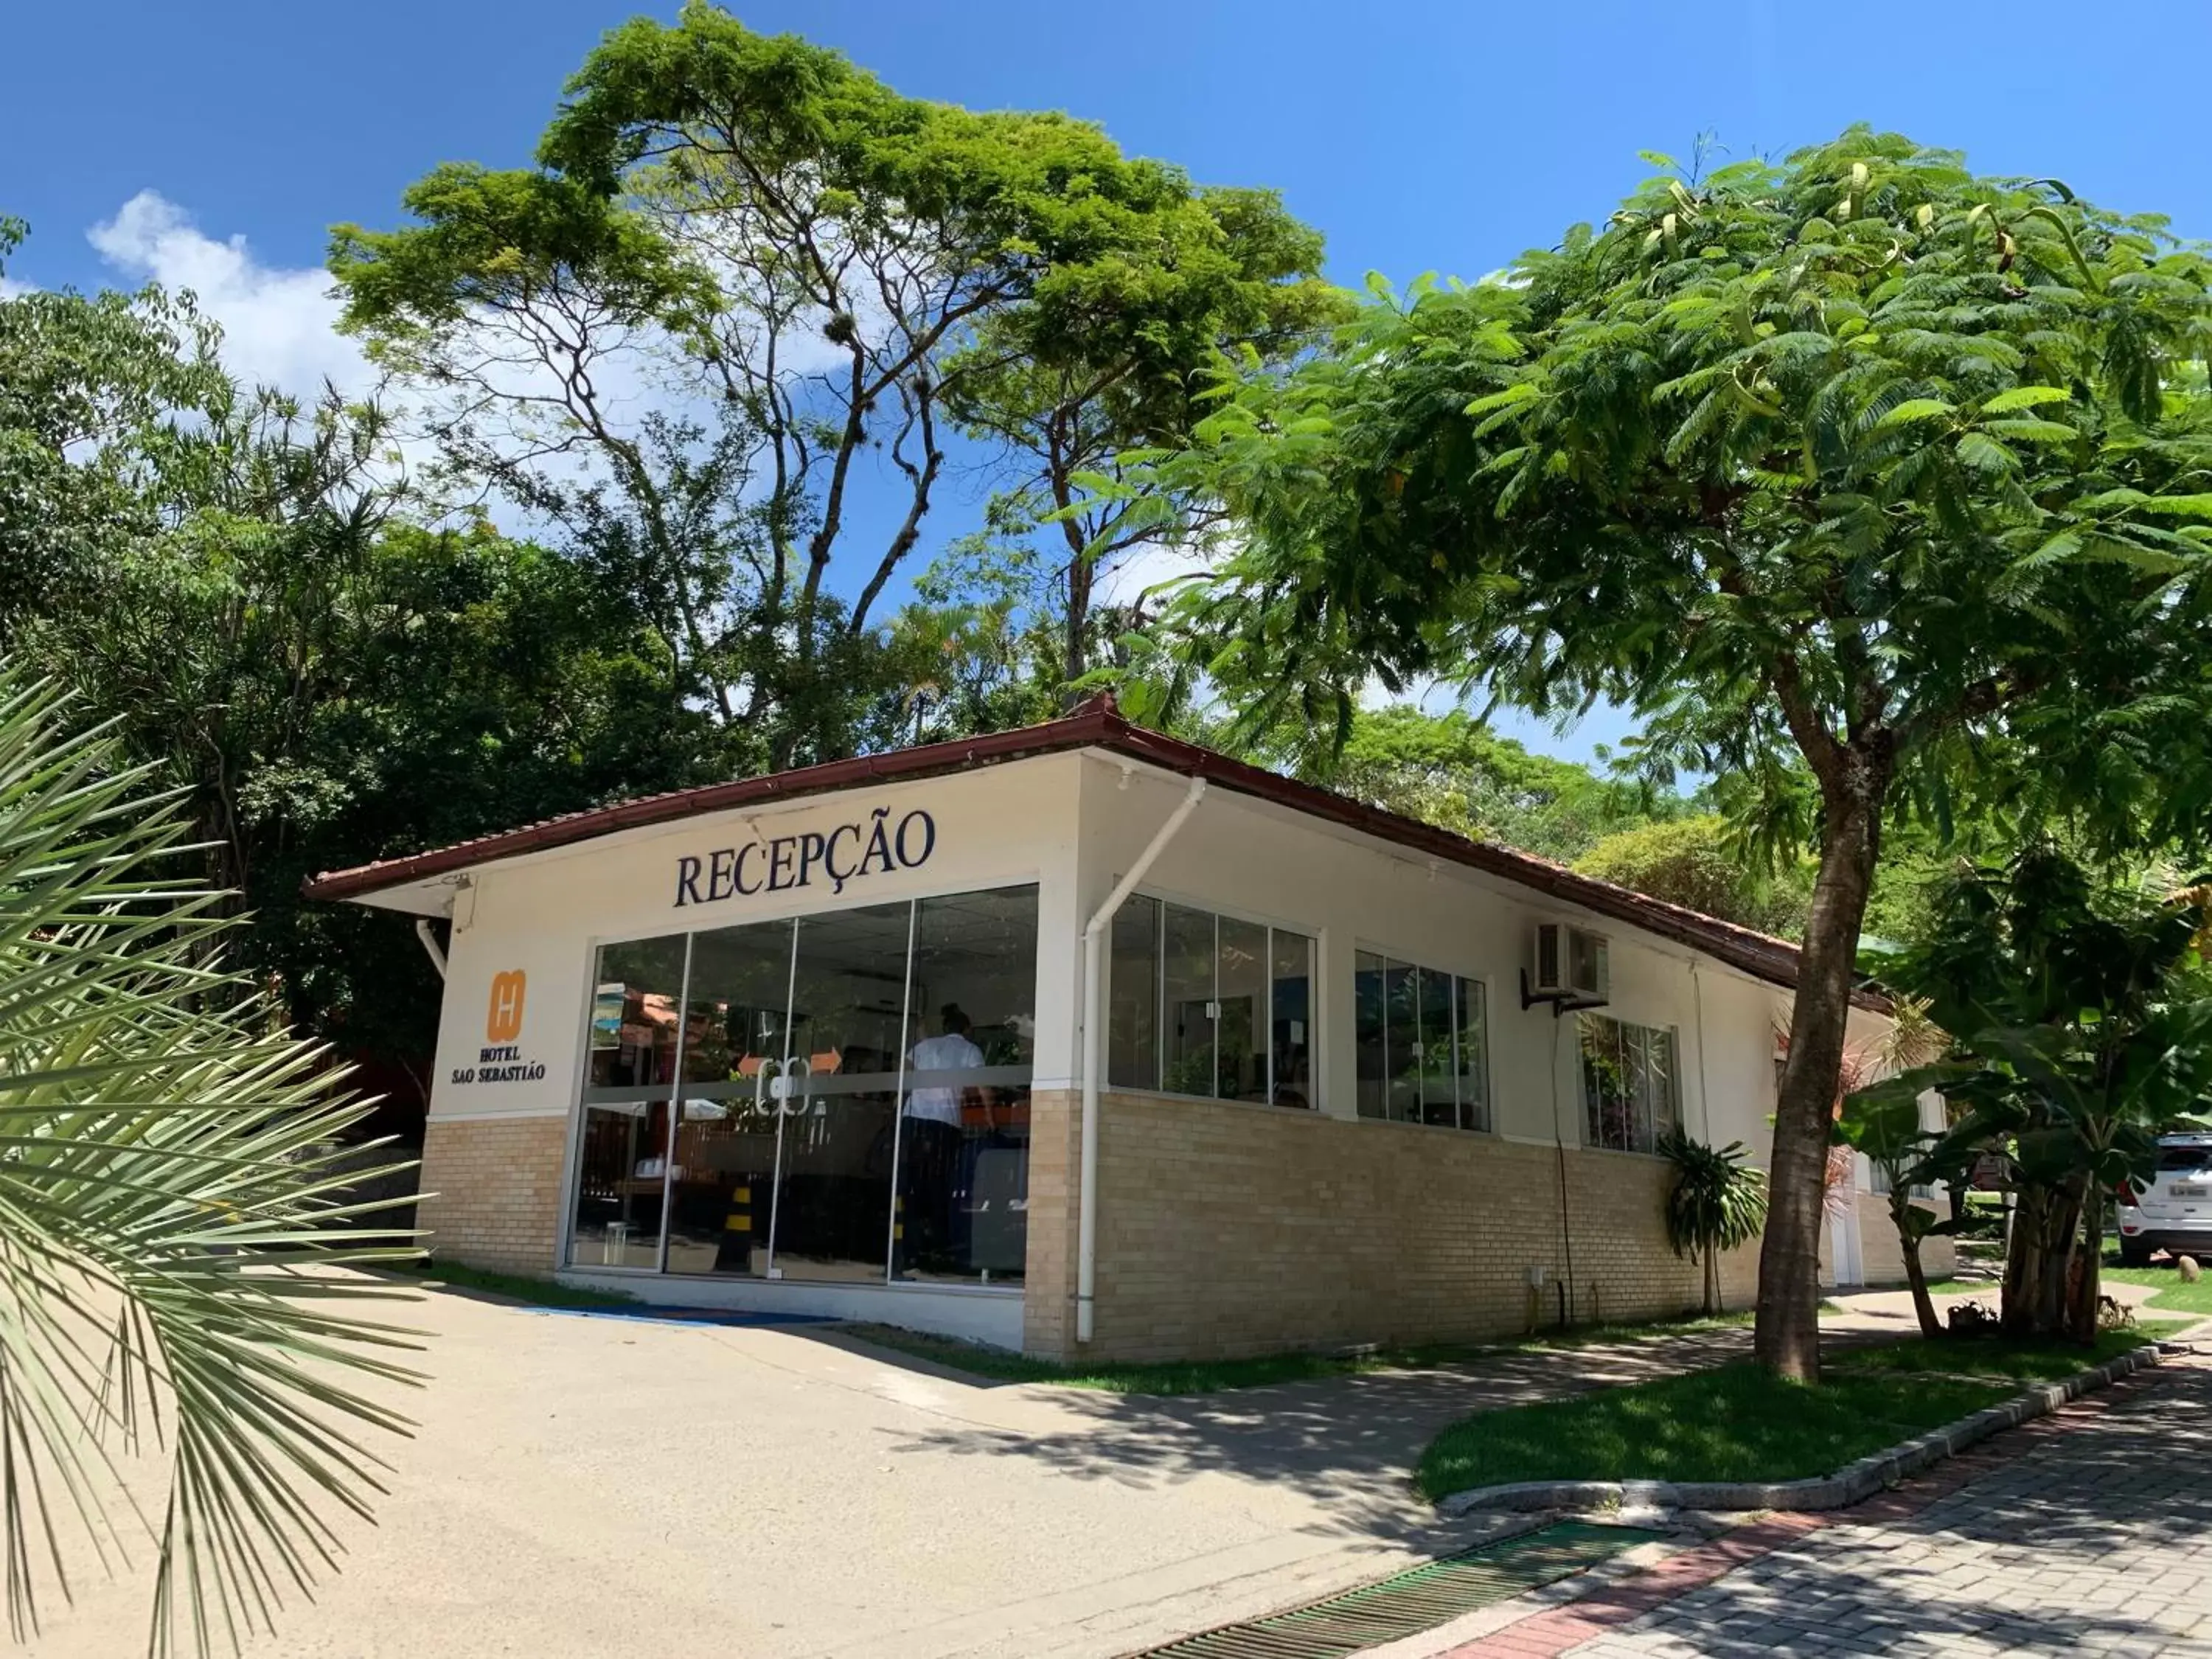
(2176, 1297)
(1992, 1357)
(1737, 1423)
(1209, 1376)
(1580, 1336)
(518, 1287)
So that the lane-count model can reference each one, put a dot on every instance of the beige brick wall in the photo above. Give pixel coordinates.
(1882, 1254)
(1230, 1228)
(1056, 1160)
(492, 1191)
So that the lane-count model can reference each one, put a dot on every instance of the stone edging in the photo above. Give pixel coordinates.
(1852, 1484)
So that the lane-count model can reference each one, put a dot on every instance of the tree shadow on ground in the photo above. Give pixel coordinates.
(1348, 1444)
(2098, 1537)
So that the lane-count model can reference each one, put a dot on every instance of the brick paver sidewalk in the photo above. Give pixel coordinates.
(2090, 1531)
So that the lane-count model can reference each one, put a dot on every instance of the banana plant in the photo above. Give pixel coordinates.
(1883, 1121)
(2084, 1021)
(177, 1239)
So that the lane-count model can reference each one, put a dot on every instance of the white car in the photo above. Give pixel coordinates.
(2173, 1211)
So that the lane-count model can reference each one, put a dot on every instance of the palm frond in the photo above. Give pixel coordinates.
(174, 1216)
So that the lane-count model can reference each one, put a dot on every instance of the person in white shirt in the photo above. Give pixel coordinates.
(929, 1156)
(951, 1051)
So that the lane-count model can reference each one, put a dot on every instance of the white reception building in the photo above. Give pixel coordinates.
(1084, 1041)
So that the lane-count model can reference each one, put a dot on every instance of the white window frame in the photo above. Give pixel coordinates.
(1273, 925)
(1489, 1030)
(1674, 1033)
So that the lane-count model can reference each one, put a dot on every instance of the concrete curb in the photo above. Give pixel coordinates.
(1852, 1484)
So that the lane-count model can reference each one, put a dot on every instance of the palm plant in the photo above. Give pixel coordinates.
(171, 1205)
(1718, 1202)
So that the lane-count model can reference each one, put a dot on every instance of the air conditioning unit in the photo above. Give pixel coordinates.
(1569, 966)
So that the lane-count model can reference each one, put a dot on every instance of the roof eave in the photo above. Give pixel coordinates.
(1098, 724)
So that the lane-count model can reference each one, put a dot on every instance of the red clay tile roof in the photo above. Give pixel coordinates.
(1098, 724)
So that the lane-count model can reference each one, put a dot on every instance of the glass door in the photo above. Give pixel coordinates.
(737, 1047)
(842, 1098)
(838, 1110)
(964, 1142)
(622, 1161)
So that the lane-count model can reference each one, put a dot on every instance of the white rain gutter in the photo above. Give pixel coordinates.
(430, 944)
(1094, 1020)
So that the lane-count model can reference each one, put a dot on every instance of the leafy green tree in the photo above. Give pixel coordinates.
(2082, 1015)
(1856, 468)
(824, 278)
(1696, 862)
(1451, 771)
(170, 1204)
(327, 699)
(1063, 391)
(83, 382)
(1717, 1203)
(973, 653)
(236, 580)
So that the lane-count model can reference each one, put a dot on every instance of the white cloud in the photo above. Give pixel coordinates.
(279, 325)
(1129, 578)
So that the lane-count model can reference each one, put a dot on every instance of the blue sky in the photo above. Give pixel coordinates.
(1443, 138)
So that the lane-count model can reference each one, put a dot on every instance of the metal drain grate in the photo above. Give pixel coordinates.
(1409, 1603)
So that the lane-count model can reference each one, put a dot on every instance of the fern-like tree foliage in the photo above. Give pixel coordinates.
(174, 1220)
(1871, 486)
(1717, 1203)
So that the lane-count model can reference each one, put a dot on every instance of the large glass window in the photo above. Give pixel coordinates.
(1188, 1014)
(852, 1100)
(963, 1201)
(1133, 991)
(1200, 1004)
(1631, 1092)
(622, 1161)
(1421, 1044)
(1290, 1030)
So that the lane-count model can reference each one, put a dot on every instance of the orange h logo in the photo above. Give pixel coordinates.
(503, 1022)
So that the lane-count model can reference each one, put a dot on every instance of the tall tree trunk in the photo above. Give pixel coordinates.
(1787, 1338)
(1079, 576)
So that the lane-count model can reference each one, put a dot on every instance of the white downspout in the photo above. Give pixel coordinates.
(430, 944)
(1704, 1095)
(1094, 1020)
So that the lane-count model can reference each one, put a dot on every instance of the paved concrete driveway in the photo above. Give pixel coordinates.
(2087, 1533)
(585, 1487)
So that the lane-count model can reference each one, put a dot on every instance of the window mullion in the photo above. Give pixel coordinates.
(1160, 994)
(1387, 1074)
(1628, 1118)
(1459, 1106)
(1264, 1016)
(1221, 1079)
